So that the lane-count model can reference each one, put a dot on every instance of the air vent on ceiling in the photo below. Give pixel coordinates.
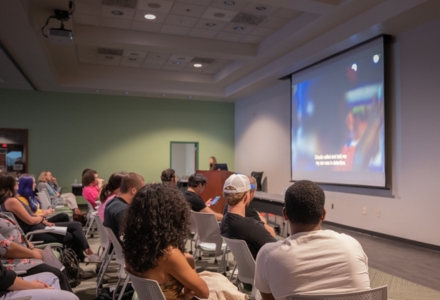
(244, 18)
(202, 60)
(109, 51)
(120, 3)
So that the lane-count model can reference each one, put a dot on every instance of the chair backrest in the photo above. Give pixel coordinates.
(103, 236)
(208, 230)
(243, 258)
(44, 199)
(379, 293)
(258, 177)
(146, 289)
(116, 245)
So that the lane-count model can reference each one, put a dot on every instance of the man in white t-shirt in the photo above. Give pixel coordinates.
(311, 260)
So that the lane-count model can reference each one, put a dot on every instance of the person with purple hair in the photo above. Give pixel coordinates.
(26, 195)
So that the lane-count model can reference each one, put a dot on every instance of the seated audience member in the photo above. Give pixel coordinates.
(41, 286)
(235, 224)
(109, 191)
(25, 193)
(196, 185)
(162, 256)
(114, 210)
(74, 237)
(16, 250)
(50, 184)
(212, 163)
(91, 186)
(168, 176)
(311, 260)
(250, 211)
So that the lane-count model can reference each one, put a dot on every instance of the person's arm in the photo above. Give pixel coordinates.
(177, 266)
(268, 228)
(13, 205)
(20, 284)
(218, 216)
(267, 296)
(17, 251)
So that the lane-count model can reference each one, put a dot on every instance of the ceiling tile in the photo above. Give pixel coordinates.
(161, 6)
(271, 22)
(188, 10)
(196, 2)
(219, 25)
(239, 28)
(252, 39)
(226, 36)
(131, 62)
(219, 14)
(180, 21)
(238, 4)
(107, 59)
(152, 66)
(115, 23)
(88, 1)
(140, 16)
(109, 12)
(259, 31)
(288, 14)
(158, 56)
(120, 3)
(134, 53)
(87, 9)
(202, 33)
(181, 58)
(173, 67)
(86, 19)
(259, 9)
(178, 30)
(146, 26)
(88, 60)
(210, 71)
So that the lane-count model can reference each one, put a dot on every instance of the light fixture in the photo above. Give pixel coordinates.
(190, 97)
(210, 24)
(150, 17)
(198, 65)
(376, 58)
(238, 28)
(229, 2)
(117, 13)
(177, 62)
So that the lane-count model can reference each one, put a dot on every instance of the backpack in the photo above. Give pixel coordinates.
(71, 267)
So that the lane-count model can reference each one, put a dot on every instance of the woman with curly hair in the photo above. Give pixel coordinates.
(161, 256)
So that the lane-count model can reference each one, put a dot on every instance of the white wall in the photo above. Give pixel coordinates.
(411, 209)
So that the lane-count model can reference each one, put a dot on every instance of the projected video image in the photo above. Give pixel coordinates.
(338, 120)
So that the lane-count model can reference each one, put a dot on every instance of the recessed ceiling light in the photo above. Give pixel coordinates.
(127, 93)
(117, 12)
(150, 17)
(96, 91)
(210, 24)
(190, 97)
(229, 2)
(198, 65)
(238, 28)
(177, 62)
(260, 8)
(108, 57)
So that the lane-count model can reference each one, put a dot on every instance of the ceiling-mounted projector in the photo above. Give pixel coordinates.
(60, 36)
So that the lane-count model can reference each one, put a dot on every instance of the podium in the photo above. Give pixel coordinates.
(214, 187)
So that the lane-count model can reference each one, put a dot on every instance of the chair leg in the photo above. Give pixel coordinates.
(233, 271)
(102, 270)
(121, 293)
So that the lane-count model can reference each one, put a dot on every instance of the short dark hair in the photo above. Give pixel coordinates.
(195, 179)
(7, 186)
(88, 177)
(304, 202)
(167, 175)
(131, 180)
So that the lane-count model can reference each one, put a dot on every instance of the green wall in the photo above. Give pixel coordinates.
(71, 132)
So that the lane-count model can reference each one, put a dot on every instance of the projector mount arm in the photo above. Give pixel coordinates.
(60, 15)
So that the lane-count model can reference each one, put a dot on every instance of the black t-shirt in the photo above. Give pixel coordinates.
(195, 201)
(249, 213)
(234, 226)
(113, 213)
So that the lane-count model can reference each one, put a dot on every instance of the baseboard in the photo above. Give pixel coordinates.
(386, 236)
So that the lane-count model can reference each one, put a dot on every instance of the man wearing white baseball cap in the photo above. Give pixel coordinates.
(235, 225)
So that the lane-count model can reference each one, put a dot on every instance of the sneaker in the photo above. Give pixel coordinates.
(94, 258)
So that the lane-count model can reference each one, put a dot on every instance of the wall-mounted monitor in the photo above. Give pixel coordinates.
(337, 118)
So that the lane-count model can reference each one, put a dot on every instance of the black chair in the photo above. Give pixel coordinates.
(259, 177)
